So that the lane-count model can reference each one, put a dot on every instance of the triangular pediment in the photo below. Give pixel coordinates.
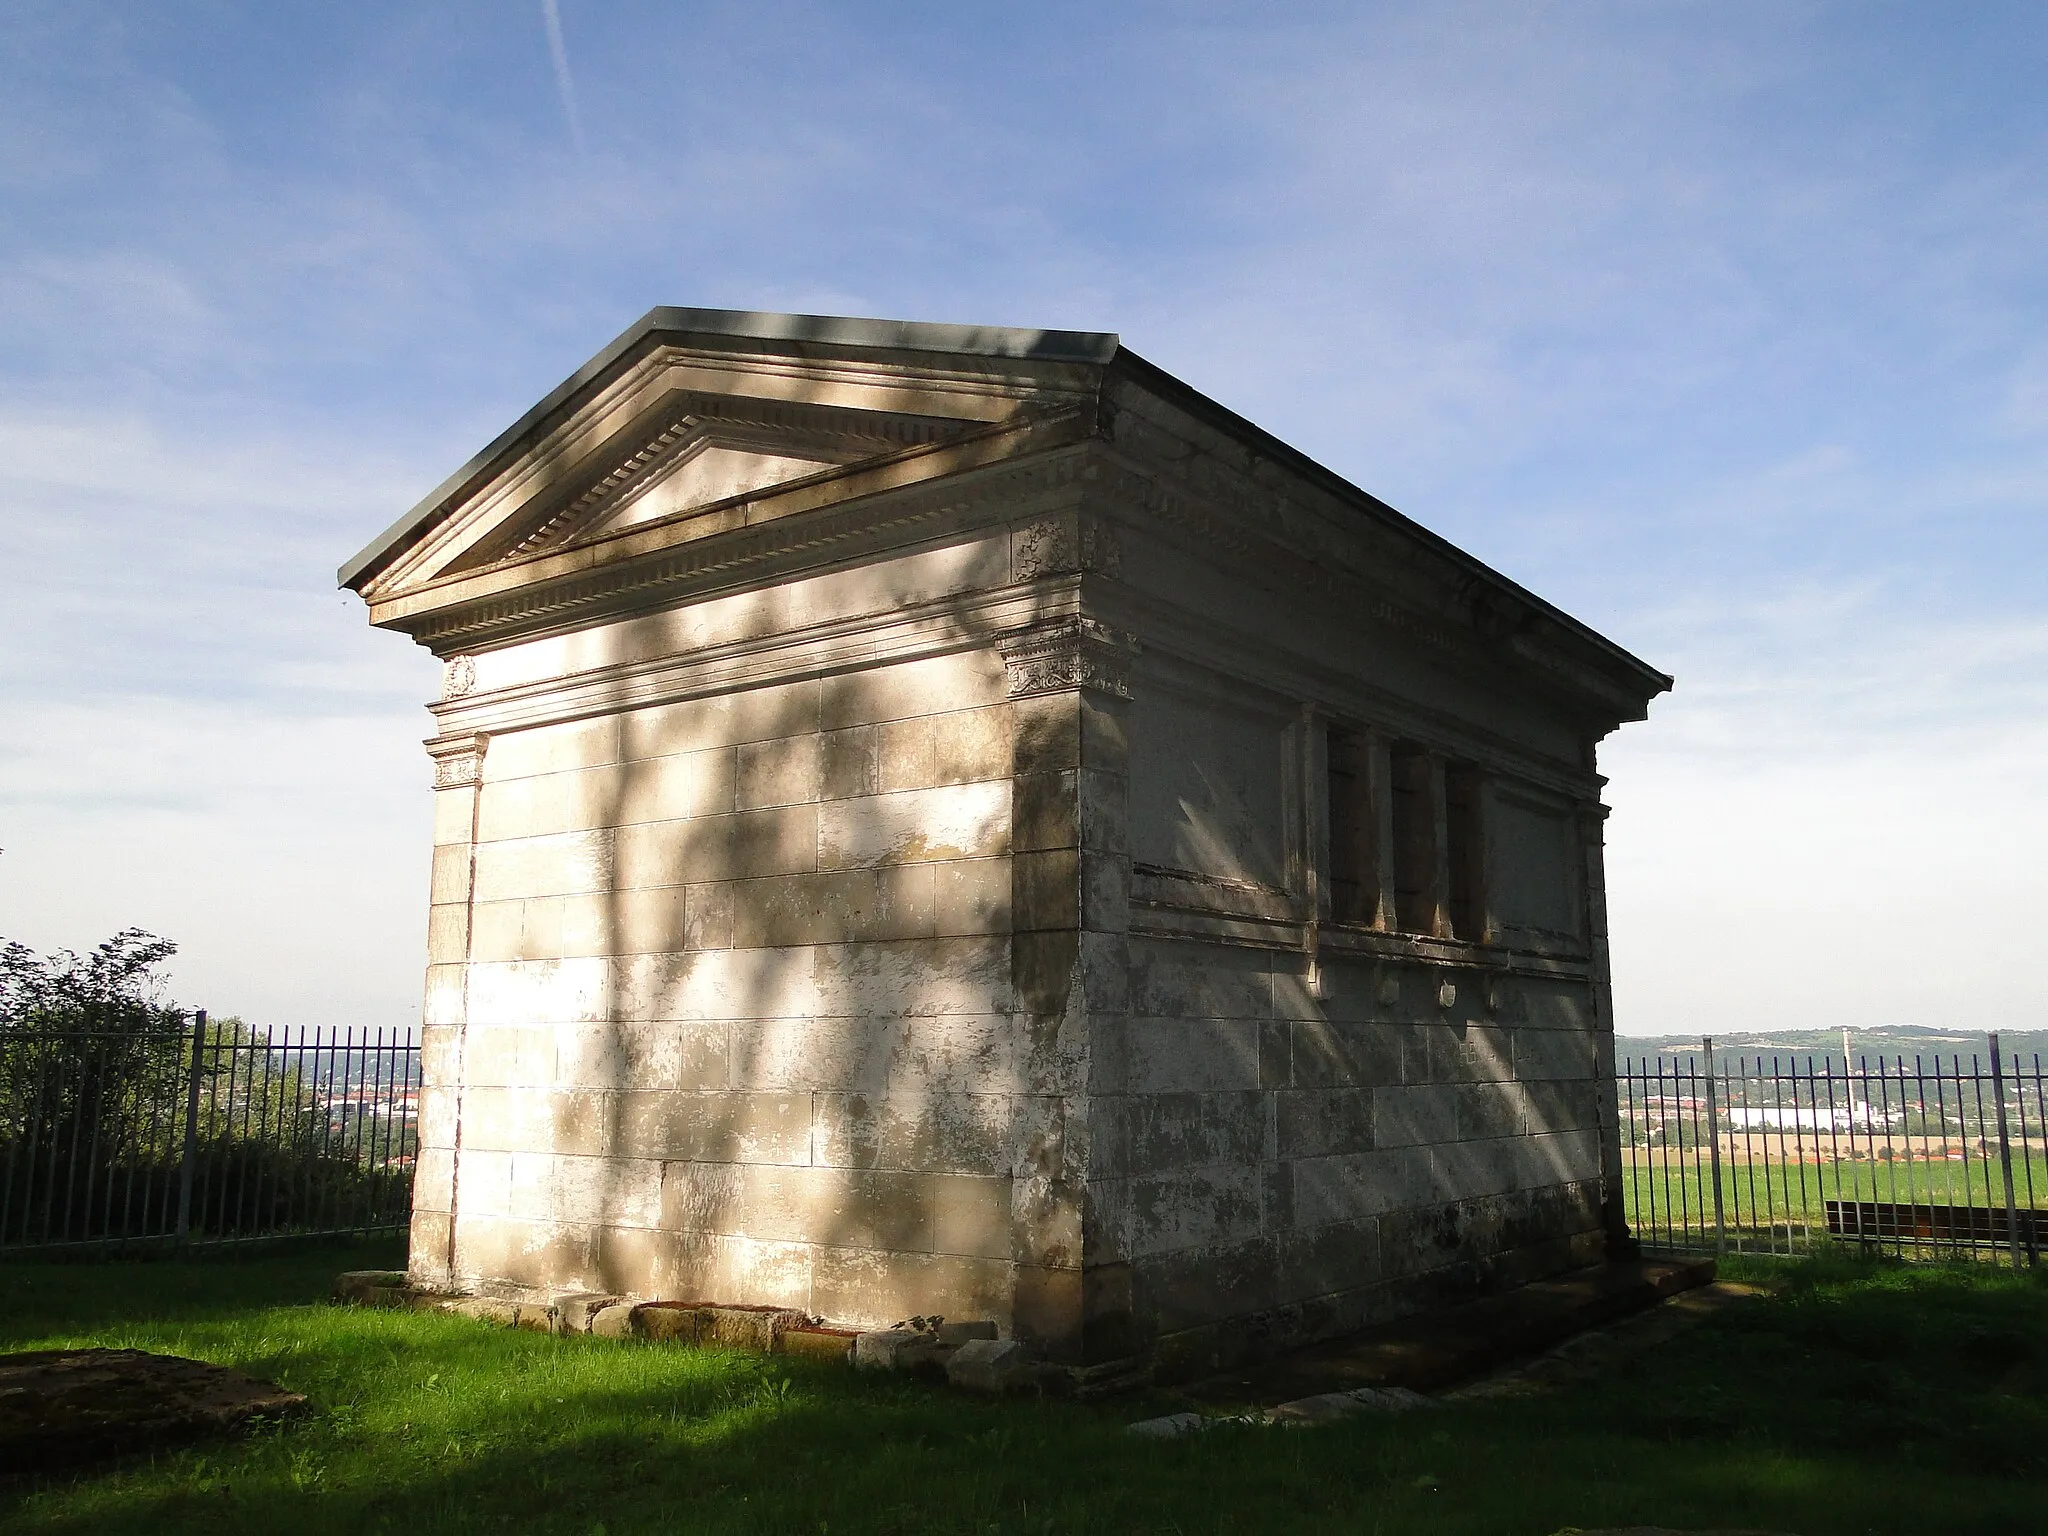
(691, 455)
(701, 423)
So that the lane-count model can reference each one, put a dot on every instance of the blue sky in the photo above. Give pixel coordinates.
(1720, 325)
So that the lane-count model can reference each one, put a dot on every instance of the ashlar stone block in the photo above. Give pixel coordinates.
(960, 821)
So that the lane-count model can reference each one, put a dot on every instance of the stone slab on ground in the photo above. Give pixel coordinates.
(834, 1346)
(1593, 1355)
(895, 1349)
(1327, 1407)
(574, 1310)
(373, 1288)
(1171, 1426)
(991, 1365)
(613, 1322)
(1439, 1349)
(62, 1408)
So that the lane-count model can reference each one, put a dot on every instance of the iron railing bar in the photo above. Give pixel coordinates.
(2027, 1152)
(1976, 1088)
(1891, 1152)
(2012, 1213)
(1912, 1179)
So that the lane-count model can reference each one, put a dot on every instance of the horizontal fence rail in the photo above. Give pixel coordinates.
(205, 1134)
(1916, 1156)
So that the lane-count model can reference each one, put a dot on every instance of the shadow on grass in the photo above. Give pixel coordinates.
(1859, 1400)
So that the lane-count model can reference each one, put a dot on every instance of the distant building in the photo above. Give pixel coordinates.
(935, 820)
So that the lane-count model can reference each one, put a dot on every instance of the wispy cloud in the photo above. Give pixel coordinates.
(1715, 325)
(565, 83)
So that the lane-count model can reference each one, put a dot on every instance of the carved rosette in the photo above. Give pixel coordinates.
(458, 677)
(1075, 653)
(458, 760)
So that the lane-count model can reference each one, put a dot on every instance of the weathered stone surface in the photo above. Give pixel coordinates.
(670, 1322)
(991, 1365)
(1326, 1407)
(70, 1407)
(834, 907)
(952, 1335)
(482, 1309)
(1170, 1426)
(754, 1328)
(576, 1310)
(831, 1345)
(894, 1349)
(613, 1322)
(372, 1288)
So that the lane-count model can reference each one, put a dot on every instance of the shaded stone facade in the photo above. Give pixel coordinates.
(945, 821)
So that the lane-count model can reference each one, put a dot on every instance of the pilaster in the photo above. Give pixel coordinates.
(444, 1020)
(1592, 821)
(1069, 683)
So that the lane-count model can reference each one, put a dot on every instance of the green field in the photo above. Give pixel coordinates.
(1860, 1399)
(1759, 1197)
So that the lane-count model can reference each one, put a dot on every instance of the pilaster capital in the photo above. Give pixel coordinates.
(458, 760)
(1073, 653)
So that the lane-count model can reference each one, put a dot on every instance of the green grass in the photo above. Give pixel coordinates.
(1671, 1197)
(1859, 1399)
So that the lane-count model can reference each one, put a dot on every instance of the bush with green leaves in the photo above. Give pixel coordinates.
(97, 1095)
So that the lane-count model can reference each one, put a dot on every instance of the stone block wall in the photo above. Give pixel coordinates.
(911, 886)
(1307, 1164)
(730, 985)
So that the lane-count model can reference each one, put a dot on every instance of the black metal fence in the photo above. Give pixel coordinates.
(1923, 1155)
(205, 1134)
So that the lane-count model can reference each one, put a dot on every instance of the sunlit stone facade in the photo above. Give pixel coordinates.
(945, 821)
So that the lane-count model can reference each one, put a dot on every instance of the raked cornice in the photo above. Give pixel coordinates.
(1312, 543)
(649, 568)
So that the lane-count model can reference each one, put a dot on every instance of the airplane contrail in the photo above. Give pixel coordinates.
(564, 81)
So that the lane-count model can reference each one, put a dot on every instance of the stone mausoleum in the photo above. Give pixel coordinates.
(932, 820)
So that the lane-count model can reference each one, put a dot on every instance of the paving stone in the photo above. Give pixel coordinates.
(744, 1327)
(1323, 1408)
(894, 1349)
(483, 1309)
(372, 1287)
(575, 1311)
(990, 1365)
(665, 1322)
(833, 1345)
(69, 1407)
(1392, 1399)
(613, 1322)
(1170, 1427)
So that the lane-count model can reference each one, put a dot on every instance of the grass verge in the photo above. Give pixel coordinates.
(1859, 1398)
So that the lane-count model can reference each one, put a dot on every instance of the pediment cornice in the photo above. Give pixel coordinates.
(796, 528)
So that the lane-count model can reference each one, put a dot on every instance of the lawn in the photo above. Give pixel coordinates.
(1859, 1399)
(1678, 1196)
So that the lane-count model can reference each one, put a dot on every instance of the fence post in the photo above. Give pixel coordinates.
(190, 1155)
(2012, 1213)
(1714, 1147)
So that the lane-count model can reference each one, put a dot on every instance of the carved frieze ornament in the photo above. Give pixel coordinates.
(1072, 653)
(1063, 545)
(458, 677)
(458, 760)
